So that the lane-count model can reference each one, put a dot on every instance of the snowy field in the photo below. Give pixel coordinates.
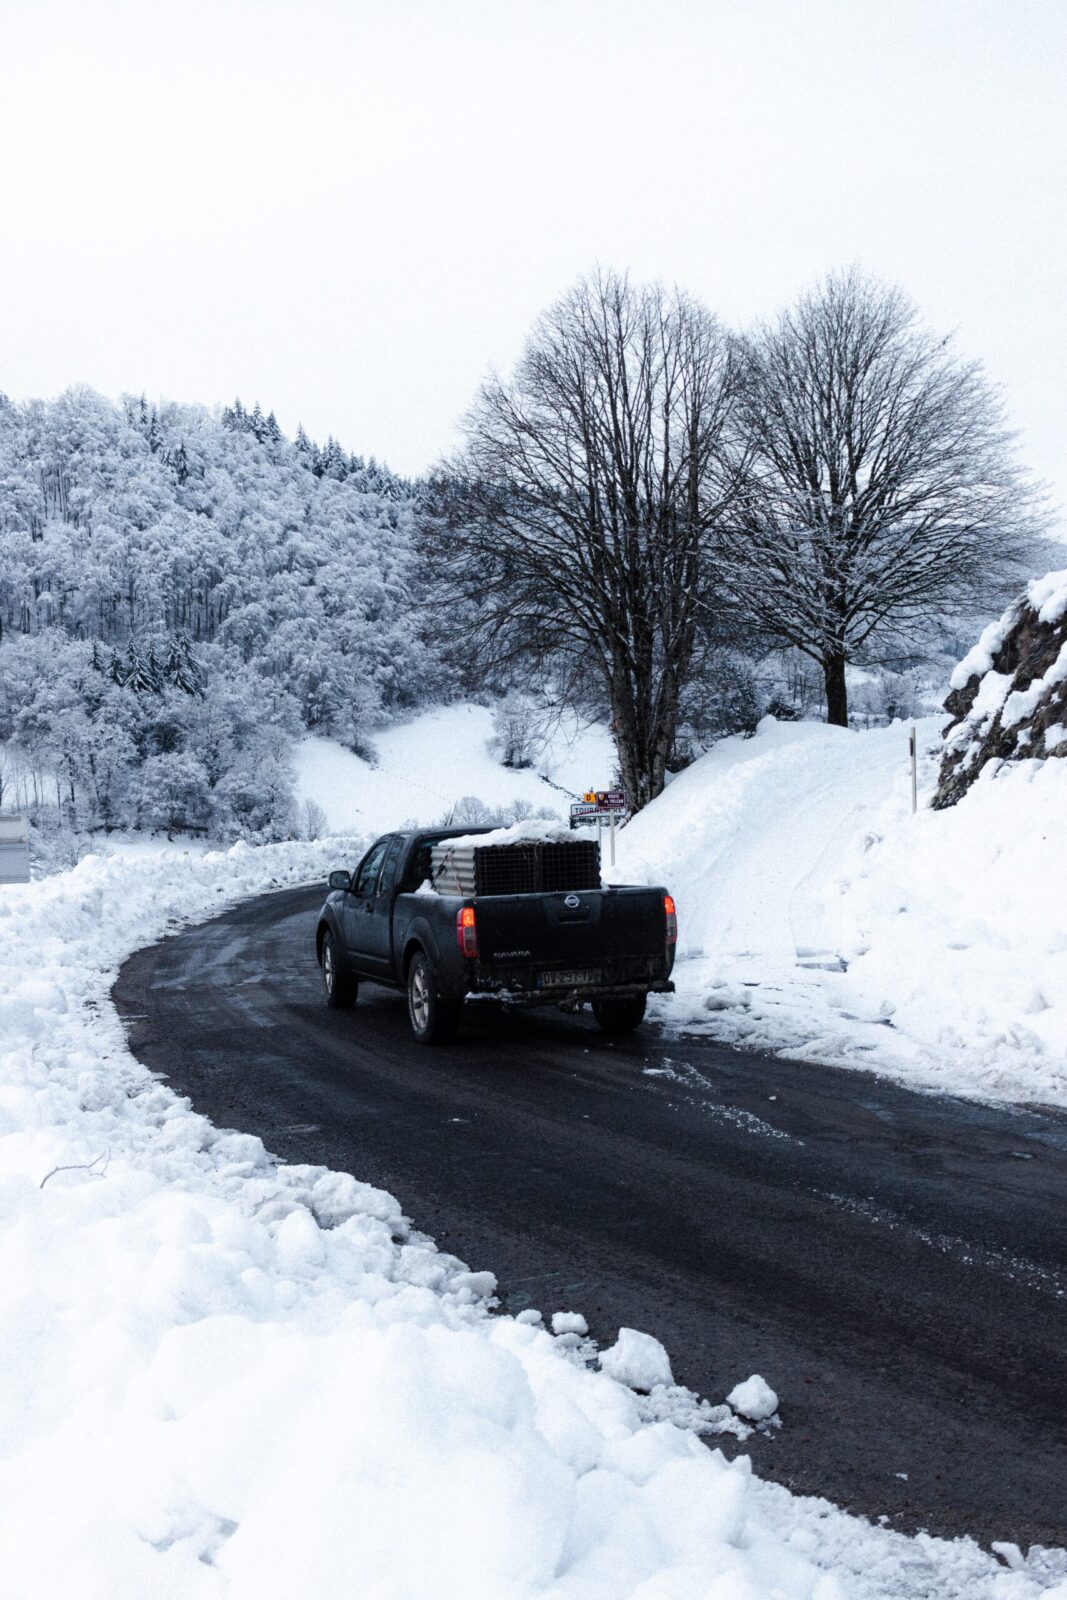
(425, 766)
(224, 1377)
(818, 917)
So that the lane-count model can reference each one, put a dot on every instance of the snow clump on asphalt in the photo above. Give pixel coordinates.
(638, 1360)
(754, 1399)
(569, 1322)
(226, 1378)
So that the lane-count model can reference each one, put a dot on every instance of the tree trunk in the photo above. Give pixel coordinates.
(628, 745)
(644, 722)
(642, 760)
(836, 691)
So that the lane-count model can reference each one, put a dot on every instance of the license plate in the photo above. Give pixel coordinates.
(569, 980)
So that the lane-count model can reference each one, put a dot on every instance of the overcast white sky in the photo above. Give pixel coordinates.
(349, 210)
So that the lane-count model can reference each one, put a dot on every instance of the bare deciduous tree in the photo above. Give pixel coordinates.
(585, 497)
(881, 488)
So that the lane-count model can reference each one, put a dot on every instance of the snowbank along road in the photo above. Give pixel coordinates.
(818, 916)
(894, 1264)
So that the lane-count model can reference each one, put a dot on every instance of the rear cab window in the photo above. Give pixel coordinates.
(367, 872)
(389, 867)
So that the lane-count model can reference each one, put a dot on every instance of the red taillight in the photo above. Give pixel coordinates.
(672, 919)
(466, 931)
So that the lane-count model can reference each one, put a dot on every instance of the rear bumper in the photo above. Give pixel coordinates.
(556, 995)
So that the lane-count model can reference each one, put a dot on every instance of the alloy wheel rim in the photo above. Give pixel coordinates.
(327, 966)
(420, 998)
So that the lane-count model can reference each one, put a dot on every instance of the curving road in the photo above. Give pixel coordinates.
(894, 1264)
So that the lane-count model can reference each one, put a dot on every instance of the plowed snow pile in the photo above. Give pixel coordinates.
(222, 1377)
(819, 918)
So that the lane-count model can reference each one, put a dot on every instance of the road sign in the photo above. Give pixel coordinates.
(606, 800)
(583, 813)
(599, 805)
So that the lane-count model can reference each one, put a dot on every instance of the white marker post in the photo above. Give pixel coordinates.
(611, 834)
(914, 753)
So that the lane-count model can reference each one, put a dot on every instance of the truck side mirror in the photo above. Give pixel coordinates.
(340, 880)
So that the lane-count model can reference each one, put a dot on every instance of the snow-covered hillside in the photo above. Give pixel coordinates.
(423, 767)
(181, 592)
(820, 918)
(229, 1379)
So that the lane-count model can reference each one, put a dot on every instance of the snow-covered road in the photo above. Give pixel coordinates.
(748, 1214)
(225, 1377)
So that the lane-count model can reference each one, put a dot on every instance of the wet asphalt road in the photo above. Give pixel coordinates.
(894, 1264)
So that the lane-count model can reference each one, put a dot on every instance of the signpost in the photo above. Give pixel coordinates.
(594, 806)
(913, 751)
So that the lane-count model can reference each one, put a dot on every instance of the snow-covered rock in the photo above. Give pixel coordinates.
(754, 1399)
(1008, 697)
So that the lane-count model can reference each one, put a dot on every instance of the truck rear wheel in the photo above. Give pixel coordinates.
(434, 1020)
(338, 986)
(620, 1016)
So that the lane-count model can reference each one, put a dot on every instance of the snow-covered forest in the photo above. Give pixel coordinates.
(180, 594)
(183, 593)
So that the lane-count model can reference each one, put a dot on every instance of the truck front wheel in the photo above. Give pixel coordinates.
(434, 1020)
(620, 1016)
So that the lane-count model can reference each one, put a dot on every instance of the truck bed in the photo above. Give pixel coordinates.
(548, 947)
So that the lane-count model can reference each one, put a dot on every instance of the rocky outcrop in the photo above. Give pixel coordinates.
(1009, 694)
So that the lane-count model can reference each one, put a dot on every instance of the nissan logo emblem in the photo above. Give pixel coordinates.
(572, 902)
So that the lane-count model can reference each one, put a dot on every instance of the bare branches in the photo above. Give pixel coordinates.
(588, 490)
(645, 478)
(881, 486)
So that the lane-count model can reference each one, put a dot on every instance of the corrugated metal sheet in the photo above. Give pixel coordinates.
(452, 868)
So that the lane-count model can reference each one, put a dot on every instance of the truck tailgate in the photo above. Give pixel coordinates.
(586, 930)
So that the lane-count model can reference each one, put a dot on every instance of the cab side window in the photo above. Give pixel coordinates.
(369, 867)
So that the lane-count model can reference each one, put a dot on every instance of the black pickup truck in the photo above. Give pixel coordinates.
(527, 923)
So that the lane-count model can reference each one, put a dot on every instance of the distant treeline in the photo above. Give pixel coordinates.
(163, 566)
